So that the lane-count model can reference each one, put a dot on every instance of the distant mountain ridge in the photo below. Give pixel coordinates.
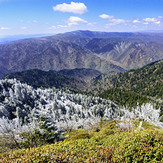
(8, 39)
(102, 51)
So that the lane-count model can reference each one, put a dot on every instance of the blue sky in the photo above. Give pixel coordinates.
(56, 16)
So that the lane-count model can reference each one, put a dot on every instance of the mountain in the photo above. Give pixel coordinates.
(102, 51)
(128, 50)
(50, 54)
(38, 78)
(77, 79)
(83, 74)
(132, 87)
(147, 80)
(140, 36)
(128, 54)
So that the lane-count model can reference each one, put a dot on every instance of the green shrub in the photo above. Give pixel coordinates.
(145, 145)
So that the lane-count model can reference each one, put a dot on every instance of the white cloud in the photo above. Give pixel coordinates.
(61, 26)
(4, 28)
(53, 27)
(117, 21)
(73, 20)
(136, 21)
(150, 19)
(104, 16)
(91, 24)
(58, 26)
(112, 20)
(158, 22)
(160, 17)
(76, 8)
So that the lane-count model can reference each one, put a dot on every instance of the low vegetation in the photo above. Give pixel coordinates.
(50, 125)
(107, 141)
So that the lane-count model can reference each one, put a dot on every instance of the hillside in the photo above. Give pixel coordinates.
(102, 51)
(83, 74)
(76, 79)
(47, 79)
(109, 141)
(25, 104)
(128, 50)
(50, 54)
(99, 128)
(140, 85)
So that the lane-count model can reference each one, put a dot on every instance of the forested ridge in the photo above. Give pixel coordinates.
(132, 87)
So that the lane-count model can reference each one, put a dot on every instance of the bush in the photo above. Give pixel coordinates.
(136, 146)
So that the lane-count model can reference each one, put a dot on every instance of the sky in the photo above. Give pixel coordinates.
(58, 16)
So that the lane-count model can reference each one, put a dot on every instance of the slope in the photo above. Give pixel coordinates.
(47, 79)
(81, 74)
(132, 86)
(128, 50)
(50, 54)
(107, 144)
(102, 51)
(76, 79)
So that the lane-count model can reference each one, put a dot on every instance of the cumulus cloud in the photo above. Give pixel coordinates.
(136, 21)
(73, 20)
(160, 17)
(58, 26)
(117, 21)
(76, 8)
(91, 23)
(157, 22)
(150, 19)
(105, 16)
(112, 20)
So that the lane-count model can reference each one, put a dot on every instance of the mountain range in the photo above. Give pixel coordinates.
(86, 87)
(101, 51)
(127, 89)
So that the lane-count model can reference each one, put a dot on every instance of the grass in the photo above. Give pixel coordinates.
(104, 142)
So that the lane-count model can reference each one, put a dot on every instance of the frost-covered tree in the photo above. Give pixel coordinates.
(25, 104)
